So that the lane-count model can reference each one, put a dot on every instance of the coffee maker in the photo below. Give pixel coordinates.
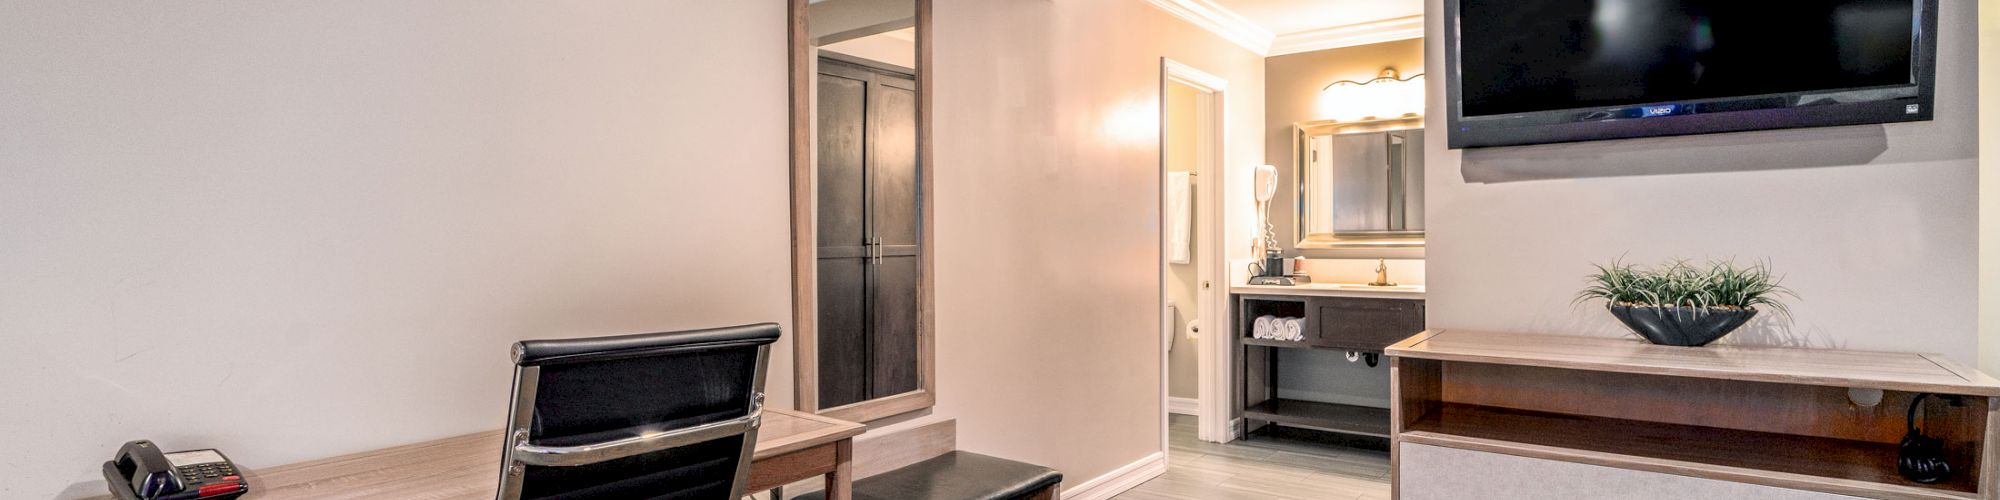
(1271, 271)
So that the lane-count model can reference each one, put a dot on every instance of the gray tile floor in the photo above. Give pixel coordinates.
(1263, 468)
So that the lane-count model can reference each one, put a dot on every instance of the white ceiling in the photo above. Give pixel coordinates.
(1278, 27)
(1284, 17)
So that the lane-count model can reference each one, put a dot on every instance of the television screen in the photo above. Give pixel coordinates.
(1535, 71)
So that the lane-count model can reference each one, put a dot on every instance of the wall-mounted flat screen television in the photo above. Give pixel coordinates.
(1547, 71)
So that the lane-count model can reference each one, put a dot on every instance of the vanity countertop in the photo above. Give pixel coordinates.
(1411, 292)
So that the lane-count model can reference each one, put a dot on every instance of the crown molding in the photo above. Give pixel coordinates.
(1223, 23)
(1387, 30)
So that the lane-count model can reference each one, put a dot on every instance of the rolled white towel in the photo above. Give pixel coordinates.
(1262, 328)
(1295, 329)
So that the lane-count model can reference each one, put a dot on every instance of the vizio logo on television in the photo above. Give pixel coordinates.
(1661, 110)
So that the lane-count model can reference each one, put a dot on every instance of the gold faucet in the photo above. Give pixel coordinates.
(1382, 273)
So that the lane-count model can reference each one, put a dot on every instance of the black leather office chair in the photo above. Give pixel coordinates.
(656, 416)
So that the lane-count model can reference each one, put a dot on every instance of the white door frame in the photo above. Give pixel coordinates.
(1213, 391)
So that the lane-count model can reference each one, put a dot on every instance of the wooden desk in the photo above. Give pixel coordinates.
(791, 447)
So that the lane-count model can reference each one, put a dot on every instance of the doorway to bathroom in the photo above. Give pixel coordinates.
(1191, 183)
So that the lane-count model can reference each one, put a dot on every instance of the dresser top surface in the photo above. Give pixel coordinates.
(1897, 371)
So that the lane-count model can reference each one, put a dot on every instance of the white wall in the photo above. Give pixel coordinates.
(297, 229)
(1874, 226)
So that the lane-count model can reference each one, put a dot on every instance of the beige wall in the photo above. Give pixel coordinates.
(1183, 280)
(291, 230)
(1292, 86)
(1048, 207)
(1874, 226)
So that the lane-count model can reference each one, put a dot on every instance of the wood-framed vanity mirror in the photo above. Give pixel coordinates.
(862, 313)
(1360, 184)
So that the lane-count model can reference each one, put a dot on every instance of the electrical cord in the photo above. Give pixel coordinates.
(1920, 458)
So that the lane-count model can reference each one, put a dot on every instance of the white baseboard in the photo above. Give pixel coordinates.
(1184, 406)
(1111, 484)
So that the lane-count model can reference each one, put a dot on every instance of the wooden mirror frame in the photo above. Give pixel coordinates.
(805, 304)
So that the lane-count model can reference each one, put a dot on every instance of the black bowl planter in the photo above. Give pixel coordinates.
(1682, 326)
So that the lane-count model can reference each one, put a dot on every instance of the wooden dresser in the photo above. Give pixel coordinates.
(1506, 415)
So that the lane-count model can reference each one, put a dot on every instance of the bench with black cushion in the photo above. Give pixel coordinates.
(958, 475)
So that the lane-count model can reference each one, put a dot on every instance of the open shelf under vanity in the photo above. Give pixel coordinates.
(1331, 324)
(1329, 417)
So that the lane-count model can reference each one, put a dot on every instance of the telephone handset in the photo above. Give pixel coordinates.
(142, 472)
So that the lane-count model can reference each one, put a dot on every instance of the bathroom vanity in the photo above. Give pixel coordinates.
(1356, 195)
(1336, 317)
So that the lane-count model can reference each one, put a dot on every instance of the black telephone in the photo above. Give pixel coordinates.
(142, 472)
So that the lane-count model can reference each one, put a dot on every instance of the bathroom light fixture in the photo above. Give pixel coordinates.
(1387, 96)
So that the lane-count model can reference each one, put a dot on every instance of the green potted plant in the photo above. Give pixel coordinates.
(1680, 304)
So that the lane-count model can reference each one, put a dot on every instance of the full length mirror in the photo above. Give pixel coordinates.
(861, 222)
(1360, 186)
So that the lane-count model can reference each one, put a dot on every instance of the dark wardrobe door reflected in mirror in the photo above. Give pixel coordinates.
(869, 216)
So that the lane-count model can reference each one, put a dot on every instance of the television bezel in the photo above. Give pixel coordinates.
(1463, 133)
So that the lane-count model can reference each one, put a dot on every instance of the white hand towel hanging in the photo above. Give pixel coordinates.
(1180, 217)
